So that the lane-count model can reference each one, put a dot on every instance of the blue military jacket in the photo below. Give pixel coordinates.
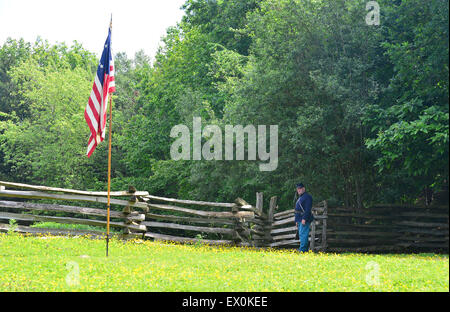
(303, 208)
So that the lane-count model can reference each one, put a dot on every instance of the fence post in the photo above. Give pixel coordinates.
(240, 232)
(266, 220)
(127, 233)
(324, 226)
(268, 228)
(259, 228)
(259, 202)
(313, 235)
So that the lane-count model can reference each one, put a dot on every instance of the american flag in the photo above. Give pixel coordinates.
(95, 112)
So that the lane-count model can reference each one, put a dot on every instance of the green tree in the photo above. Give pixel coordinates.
(47, 145)
(411, 121)
(311, 72)
(11, 54)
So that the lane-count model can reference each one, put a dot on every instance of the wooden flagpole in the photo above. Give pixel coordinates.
(109, 164)
(109, 175)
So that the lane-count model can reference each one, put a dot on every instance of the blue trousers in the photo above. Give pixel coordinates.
(303, 233)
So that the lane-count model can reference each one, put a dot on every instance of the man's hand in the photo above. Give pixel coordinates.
(303, 222)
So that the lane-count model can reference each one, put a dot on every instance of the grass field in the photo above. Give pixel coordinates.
(79, 264)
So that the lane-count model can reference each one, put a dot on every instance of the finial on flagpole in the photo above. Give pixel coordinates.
(110, 24)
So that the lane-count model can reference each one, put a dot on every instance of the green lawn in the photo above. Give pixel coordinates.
(79, 264)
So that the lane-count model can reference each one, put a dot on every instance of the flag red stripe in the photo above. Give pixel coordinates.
(97, 93)
(93, 109)
(89, 153)
(89, 122)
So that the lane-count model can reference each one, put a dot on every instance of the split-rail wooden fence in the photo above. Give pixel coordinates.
(138, 214)
(146, 216)
(389, 228)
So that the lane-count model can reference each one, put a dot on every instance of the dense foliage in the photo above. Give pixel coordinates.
(362, 110)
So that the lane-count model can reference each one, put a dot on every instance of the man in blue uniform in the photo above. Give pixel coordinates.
(303, 216)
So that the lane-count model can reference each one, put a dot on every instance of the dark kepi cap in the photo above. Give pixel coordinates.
(300, 185)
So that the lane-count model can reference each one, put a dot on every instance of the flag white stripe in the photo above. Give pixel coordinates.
(99, 87)
(95, 101)
(90, 146)
(91, 118)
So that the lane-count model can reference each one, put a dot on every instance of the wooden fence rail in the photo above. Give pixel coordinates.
(284, 230)
(146, 216)
(389, 228)
(380, 228)
(142, 215)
